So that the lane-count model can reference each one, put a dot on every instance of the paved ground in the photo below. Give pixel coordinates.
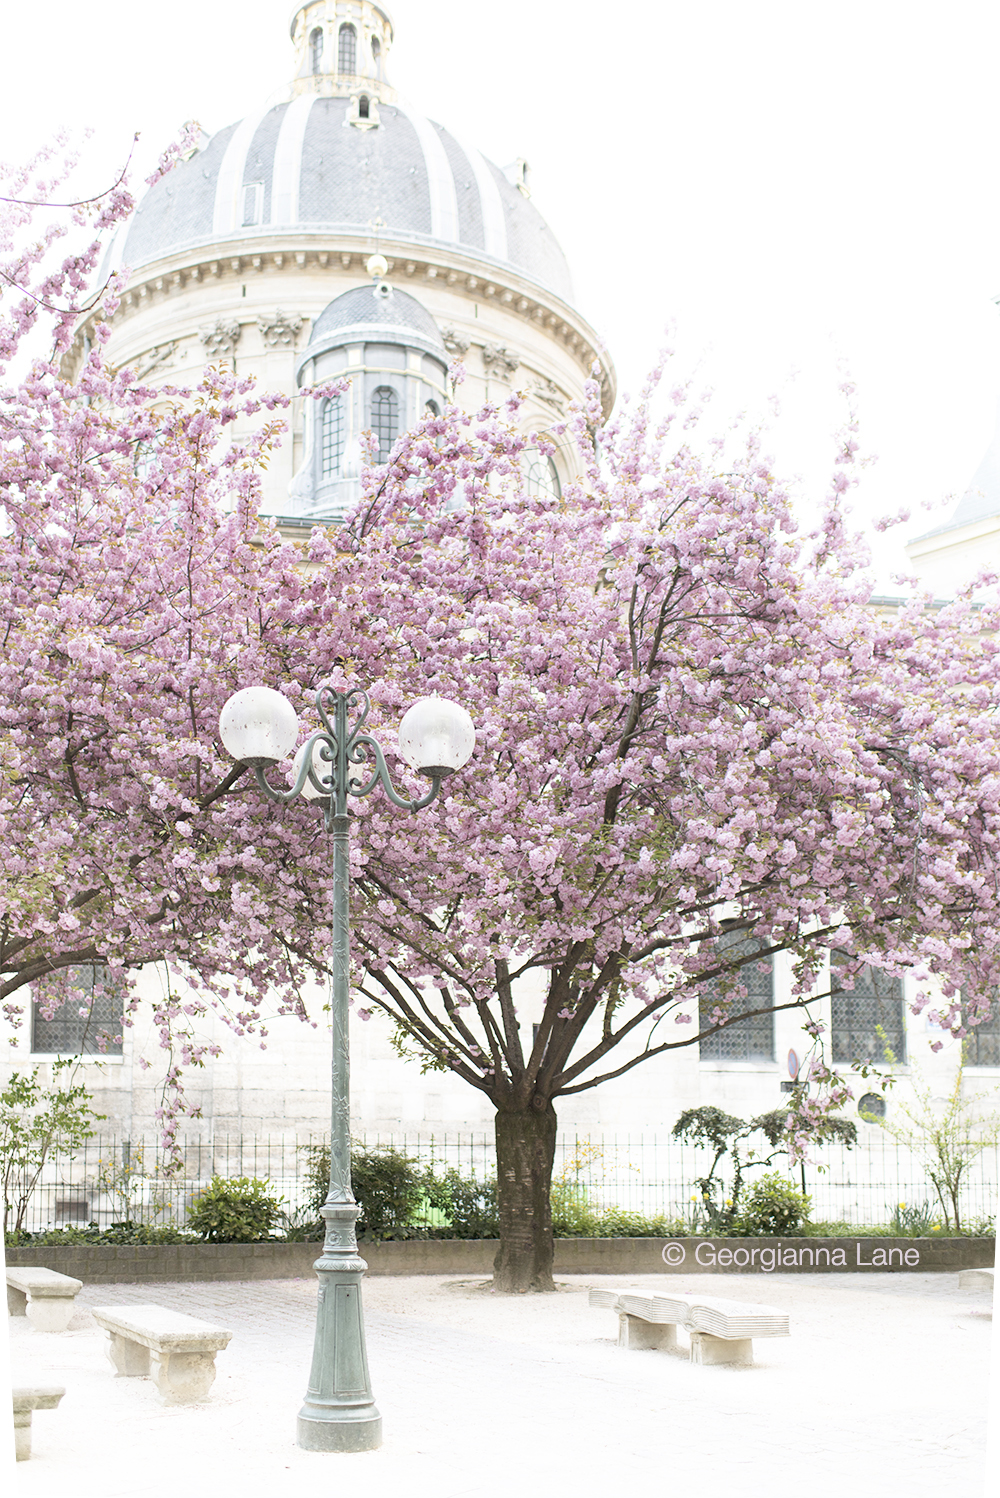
(880, 1389)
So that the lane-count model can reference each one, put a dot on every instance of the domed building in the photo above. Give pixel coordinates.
(340, 231)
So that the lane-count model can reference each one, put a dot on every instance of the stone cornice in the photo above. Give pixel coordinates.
(478, 279)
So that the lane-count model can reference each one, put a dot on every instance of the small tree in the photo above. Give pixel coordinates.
(711, 1128)
(35, 1122)
(946, 1135)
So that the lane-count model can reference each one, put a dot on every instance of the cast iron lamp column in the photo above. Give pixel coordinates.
(259, 727)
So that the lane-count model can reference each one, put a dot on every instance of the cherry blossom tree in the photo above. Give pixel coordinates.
(698, 746)
(137, 589)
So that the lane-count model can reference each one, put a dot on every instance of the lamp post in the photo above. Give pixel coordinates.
(259, 727)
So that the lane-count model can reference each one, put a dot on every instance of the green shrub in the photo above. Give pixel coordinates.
(574, 1217)
(614, 1222)
(388, 1186)
(144, 1234)
(468, 1206)
(572, 1214)
(240, 1210)
(772, 1208)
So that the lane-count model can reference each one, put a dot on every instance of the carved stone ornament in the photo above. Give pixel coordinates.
(220, 341)
(154, 358)
(455, 342)
(280, 330)
(549, 393)
(502, 360)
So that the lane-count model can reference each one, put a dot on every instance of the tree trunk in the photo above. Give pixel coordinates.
(526, 1144)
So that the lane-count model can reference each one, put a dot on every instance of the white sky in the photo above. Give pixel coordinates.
(792, 183)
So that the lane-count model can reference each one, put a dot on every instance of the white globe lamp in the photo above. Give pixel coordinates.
(259, 726)
(436, 737)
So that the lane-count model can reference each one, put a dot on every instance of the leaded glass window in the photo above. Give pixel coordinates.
(740, 1039)
(981, 1046)
(89, 1020)
(540, 474)
(333, 437)
(316, 49)
(347, 46)
(385, 420)
(868, 1018)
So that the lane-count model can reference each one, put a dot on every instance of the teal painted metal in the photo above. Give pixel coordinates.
(339, 1411)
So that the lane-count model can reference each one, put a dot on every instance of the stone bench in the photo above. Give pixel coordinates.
(176, 1351)
(26, 1401)
(976, 1279)
(720, 1331)
(46, 1298)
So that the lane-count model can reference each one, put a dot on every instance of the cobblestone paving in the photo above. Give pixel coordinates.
(881, 1388)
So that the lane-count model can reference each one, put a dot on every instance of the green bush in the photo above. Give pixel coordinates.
(240, 1210)
(144, 1234)
(772, 1208)
(388, 1185)
(574, 1217)
(467, 1206)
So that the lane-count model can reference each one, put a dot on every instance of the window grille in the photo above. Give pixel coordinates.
(874, 1003)
(750, 1039)
(95, 1031)
(347, 46)
(541, 478)
(981, 1046)
(385, 420)
(316, 49)
(253, 203)
(333, 438)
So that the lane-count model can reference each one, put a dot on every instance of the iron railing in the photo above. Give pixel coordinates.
(111, 1180)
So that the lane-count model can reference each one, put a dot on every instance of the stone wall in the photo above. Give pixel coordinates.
(105, 1264)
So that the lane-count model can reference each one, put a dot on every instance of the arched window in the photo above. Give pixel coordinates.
(540, 474)
(347, 50)
(385, 420)
(332, 446)
(750, 1039)
(868, 1018)
(316, 49)
(432, 408)
(363, 107)
(376, 49)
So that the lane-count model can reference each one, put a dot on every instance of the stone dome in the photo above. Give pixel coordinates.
(380, 312)
(311, 165)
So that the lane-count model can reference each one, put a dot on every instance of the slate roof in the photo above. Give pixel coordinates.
(320, 173)
(360, 308)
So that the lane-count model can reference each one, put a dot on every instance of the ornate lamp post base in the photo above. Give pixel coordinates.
(339, 1413)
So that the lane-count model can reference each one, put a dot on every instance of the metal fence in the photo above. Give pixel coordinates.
(113, 1179)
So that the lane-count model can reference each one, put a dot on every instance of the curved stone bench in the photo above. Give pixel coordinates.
(176, 1351)
(44, 1296)
(720, 1331)
(26, 1402)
